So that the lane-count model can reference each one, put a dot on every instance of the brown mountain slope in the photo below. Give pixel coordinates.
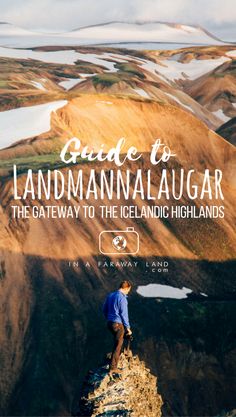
(166, 238)
(51, 306)
(216, 90)
(103, 119)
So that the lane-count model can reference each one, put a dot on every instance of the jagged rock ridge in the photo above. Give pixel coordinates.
(134, 395)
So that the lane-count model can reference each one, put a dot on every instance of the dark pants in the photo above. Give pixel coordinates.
(118, 331)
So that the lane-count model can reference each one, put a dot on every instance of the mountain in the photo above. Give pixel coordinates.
(53, 280)
(50, 298)
(216, 90)
(55, 73)
(110, 33)
(128, 32)
(146, 120)
(51, 318)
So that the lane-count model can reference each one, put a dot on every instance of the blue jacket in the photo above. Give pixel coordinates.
(115, 308)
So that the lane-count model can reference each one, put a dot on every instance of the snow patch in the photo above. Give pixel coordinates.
(163, 291)
(38, 85)
(178, 101)
(98, 59)
(70, 82)
(62, 57)
(173, 70)
(219, 113)
(87, 75)
(25, 122)
(153, 68)
(56, 57)
(141, 92)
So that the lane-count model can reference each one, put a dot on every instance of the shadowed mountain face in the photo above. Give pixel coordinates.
(189, 344)
(53, 279)
(228, 131)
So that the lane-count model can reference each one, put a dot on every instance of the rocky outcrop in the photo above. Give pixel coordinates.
(134, 394)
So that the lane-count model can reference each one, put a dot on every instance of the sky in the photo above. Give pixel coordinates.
(217, 16)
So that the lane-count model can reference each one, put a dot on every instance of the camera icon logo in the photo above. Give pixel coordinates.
(115, 242)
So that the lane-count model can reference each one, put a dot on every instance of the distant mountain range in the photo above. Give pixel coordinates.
(115, 32)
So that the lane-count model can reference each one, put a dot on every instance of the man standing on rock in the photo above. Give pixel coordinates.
(115, 310)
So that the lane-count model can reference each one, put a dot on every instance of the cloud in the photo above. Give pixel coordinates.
(216, 15)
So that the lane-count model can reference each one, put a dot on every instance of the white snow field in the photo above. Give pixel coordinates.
(111, 33)
(173, 70)
(71, 82)
(163, 291)
(25, 122)
(145, 32)
(62, 57)
(169, 69)
(57, 57)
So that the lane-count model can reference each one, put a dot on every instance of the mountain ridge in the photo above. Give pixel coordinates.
(131, 22)
(111, 32)
(144, 22)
